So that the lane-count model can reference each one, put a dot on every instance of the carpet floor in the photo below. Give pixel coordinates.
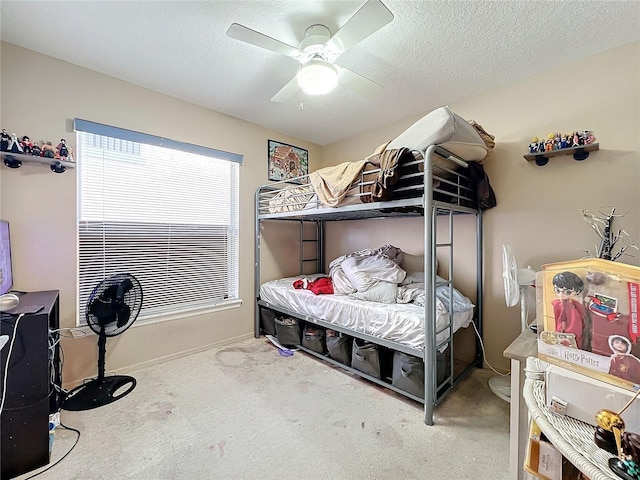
(242, 411)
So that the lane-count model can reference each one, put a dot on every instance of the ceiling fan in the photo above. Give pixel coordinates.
(318, 74)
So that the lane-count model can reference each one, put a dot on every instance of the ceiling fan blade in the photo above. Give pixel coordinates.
(244, 34)
(371, 17)
(359, 84)
(287, 92)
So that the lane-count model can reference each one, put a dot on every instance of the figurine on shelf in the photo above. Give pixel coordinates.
(63, 150)
(588, 137)
(26, 145)
(14, 144)
(628, 467)
(548, 144)
(35, 150)
(533, 146)
(48, 150)
(611, 436)
(575, 140)
(4, 141)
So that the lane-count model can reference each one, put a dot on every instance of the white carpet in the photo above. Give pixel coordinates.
(244, 412)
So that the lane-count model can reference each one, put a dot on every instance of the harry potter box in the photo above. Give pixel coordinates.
(589, 314)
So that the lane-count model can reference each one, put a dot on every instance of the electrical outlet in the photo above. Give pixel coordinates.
(55, 418)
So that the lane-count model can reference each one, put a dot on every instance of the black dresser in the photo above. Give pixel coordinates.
(30, 396)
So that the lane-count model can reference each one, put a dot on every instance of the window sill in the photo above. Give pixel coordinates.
(162, 318)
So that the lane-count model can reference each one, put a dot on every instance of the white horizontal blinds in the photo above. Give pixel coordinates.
(166, 216)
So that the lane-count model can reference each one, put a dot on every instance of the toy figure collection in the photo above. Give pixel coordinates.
(558, 141)
(24, 146)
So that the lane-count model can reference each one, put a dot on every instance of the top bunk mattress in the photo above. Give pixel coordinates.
(350, 184)
(445, 128)
(402, 323)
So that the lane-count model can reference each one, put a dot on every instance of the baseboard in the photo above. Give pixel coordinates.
(165, 358)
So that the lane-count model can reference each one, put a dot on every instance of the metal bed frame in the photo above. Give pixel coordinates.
(452, 183)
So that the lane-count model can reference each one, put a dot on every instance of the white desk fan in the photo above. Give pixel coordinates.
(516, 282)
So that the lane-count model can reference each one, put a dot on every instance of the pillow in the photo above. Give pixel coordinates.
(413, 277)
(414, 266)
(418, 277)
(382, 292)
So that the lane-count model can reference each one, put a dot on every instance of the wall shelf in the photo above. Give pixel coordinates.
(579, 153)
(15, 160)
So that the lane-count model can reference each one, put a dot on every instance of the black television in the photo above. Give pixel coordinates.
(6, 274)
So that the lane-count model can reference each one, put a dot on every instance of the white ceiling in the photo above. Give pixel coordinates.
(432, 53)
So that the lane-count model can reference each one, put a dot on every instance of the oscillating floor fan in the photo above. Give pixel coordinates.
(112, 307)
(516, 282)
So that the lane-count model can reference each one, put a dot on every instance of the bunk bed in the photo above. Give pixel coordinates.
(426, 172)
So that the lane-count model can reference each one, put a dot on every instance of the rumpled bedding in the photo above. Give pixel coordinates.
(342, 284)
(291, 199)
(332, 183)
(415, 293)
(375, 275)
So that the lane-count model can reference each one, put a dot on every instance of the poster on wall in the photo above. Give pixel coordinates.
(287, 162)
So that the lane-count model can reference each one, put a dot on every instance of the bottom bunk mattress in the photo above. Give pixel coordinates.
(402, 323)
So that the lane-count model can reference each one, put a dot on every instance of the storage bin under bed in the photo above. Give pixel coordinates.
(339, 346)
(287, 331)
(313, 338)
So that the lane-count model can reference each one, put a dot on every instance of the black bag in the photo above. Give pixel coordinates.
(485, 196)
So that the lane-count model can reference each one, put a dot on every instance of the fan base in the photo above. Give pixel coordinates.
(97, 393)
(501, 386)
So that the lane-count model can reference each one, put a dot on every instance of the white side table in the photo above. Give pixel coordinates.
(521, 348)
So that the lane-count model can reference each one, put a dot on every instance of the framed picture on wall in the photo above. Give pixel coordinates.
(286, 162)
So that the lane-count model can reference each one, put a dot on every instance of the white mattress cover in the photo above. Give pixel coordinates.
(447, 129)
(401, 323)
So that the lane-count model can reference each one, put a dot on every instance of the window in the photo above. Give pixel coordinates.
(164, 211)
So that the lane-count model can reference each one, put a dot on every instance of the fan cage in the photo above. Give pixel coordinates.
(132, 299)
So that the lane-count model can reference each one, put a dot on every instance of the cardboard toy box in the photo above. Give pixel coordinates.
(579, 396)
(589, 314)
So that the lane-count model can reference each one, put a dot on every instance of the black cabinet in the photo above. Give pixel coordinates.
(30, 396)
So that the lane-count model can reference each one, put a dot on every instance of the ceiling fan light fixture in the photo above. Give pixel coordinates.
(317, 77)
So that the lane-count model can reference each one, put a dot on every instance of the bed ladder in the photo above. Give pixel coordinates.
(311, 246)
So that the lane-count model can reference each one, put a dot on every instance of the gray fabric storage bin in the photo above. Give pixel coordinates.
(339, 346)
(287, 331)
(313, 338)
(443, 365)
(365, 357)
(408, 373)
(267, 321)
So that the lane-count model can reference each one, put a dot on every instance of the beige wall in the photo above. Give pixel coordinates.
(539, 208)
(40, 97)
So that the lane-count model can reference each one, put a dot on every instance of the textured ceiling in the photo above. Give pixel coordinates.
(432, 53)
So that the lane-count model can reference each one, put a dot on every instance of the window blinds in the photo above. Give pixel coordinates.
(168, 216)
